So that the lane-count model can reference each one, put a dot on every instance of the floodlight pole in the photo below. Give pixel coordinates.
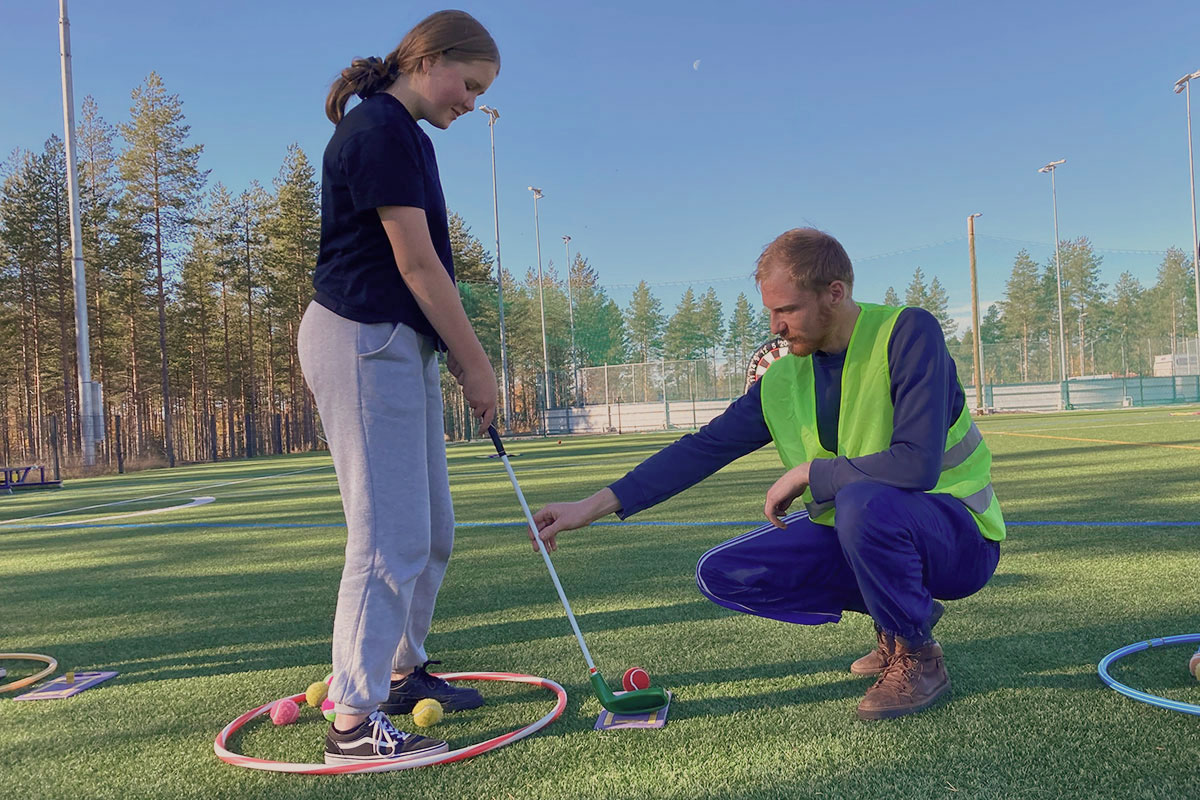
(87, 414)
(975, 316)
(1062, 330)
(537, 195)
(571, 314)
(505, 393)
(1184, 85)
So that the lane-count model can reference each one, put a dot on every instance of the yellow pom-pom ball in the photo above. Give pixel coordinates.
(315, 694)
(427, 712)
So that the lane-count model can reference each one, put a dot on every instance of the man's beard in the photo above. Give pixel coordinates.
(807, 346)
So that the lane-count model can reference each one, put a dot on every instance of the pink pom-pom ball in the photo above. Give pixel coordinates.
(327, 704)
(285, 711)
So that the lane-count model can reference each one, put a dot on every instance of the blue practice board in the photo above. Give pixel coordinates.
(608, 721)
(58, 688)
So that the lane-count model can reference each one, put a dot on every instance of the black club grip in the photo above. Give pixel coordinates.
(496, 440)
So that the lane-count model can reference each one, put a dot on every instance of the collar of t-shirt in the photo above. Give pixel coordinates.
(827, 385)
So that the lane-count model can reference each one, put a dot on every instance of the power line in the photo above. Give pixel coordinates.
(1094, 246)
(698, 281)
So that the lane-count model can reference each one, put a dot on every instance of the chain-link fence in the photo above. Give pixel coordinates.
(1042, 361)
(650, 395)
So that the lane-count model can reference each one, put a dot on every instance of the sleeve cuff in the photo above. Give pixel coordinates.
(626, 491)
(820, 480)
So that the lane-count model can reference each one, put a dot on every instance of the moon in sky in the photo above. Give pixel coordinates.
(696, 65)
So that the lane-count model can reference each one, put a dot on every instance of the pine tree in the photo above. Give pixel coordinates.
(53, 166)
(599, 325)
(223, 223)
(1129, 314)
(197, 310)
(472, 261)
(1021, 307)
(917, 293)
(1052, 322)
(1172, 300)
(932, 298)
(939, 306)
(255, 207)
(682, 338)
(163, 179)
(742, 336)
(130, 263)
(1083, 293)
(476, 287)
(762, 326)
(991, 327)
(23, 214)
(890, 298)
(644, 322)
(292, 230)
(711, 325)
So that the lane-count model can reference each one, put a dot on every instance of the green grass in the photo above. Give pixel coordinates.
(204, 623)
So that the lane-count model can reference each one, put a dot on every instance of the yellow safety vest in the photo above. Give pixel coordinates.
(865, 421)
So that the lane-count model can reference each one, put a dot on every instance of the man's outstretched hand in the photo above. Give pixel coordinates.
(554, 518)
(780, 496)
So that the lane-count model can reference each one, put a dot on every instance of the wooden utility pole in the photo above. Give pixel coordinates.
(975, 316)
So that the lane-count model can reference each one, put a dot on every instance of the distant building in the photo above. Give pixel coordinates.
(1176, 364)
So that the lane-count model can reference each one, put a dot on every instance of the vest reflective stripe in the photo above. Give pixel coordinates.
(817, 509)
(960, 452)
(979, 501)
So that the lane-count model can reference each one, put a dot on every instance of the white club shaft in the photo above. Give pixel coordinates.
(546, 556)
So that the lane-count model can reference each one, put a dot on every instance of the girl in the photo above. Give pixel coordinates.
(385, 305)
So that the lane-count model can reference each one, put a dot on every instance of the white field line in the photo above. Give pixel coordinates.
(196, 501)
(1086, 427)
(164, 494)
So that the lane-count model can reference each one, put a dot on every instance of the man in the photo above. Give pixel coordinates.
(869, 417)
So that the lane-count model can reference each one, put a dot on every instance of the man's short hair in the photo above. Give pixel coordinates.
(813, 258)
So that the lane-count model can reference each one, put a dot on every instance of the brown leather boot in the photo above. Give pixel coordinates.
(912, 681)
(874, 662)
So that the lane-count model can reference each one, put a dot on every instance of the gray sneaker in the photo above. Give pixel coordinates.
(407, 692)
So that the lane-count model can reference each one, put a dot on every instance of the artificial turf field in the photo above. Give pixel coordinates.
(213, 610)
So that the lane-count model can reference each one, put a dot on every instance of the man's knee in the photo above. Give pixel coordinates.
(865, 508)
(712, 575)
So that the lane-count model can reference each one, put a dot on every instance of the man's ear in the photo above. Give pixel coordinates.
(838, 292)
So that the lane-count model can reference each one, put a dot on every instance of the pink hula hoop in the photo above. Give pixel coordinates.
(238, 760)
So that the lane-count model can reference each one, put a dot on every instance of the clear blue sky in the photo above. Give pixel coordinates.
(674, 139)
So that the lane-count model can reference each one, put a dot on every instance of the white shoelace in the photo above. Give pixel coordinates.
(383, 729)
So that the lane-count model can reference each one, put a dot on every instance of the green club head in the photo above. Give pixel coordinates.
(642, 701)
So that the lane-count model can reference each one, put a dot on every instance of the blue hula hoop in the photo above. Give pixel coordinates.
(1152, 699)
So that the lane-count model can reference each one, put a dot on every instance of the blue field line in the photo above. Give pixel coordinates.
(634, 523)
(1076, 524)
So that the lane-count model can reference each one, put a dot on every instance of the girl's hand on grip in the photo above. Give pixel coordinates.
(479, 387)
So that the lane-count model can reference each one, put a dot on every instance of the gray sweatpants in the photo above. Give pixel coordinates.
(379, 396)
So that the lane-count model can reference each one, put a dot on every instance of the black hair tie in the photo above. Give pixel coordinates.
(376, 78)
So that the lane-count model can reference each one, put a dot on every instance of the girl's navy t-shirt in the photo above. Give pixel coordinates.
(378, 156)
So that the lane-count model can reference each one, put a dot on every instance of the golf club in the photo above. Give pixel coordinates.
(636, 702)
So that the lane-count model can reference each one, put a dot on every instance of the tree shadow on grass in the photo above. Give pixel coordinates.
(1060, 659)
